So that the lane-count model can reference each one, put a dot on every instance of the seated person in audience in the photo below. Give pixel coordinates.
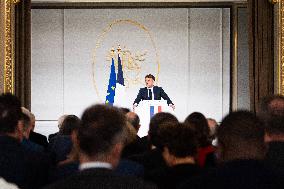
(60, 145)
(179, 150)
(17, 165)
(272, 111)
(205, 152)
(100, 140)
(153, 159)
(241, 149)
(70, 166)
(37, 137)
(60, 121)
(27, 126)
(275, 139)
(137, 146)
(126, 166)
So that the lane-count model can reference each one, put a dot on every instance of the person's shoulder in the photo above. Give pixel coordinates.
(97, 178)
(143, 89)
(132, 182)
(157, 88)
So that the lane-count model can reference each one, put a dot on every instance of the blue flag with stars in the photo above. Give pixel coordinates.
(111, 85)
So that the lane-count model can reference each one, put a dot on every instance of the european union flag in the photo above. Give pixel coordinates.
(111, 85)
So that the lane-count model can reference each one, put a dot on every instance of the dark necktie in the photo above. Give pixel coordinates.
(150, 94)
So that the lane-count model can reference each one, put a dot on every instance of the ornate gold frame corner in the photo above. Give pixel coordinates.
(9, 59)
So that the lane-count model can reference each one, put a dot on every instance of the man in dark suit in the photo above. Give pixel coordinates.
(34, 136)
(100, 140)
(151, 92)
(17, 165)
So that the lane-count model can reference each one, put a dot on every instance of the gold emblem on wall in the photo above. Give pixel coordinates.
(132, 63)
(134, 58)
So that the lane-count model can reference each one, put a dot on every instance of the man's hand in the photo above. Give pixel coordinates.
(134, 106)
(172, 106)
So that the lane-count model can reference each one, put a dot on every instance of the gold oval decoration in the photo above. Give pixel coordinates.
(125, 53)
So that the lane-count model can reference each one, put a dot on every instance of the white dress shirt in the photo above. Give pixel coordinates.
(94, 164)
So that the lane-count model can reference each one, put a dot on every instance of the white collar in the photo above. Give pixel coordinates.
(95, 164)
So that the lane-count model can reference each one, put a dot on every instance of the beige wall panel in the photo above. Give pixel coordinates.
(209, 62)
(47, 64)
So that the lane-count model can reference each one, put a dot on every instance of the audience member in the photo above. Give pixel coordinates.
(137, 146)
(61, 144)
(27, 126)
(37, 137)
(152, 159)
(17, 165)
(272, 111)
(60, 121)
(275, 139)
(179, 150)
(100, 141)
(241, 150)
(205, 152)
(71, 165)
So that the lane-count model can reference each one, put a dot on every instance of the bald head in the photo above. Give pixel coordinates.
(134, 119)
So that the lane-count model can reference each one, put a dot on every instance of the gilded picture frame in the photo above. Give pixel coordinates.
(9, 55)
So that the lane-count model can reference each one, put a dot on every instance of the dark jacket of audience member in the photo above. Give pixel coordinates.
(60, 146)
(17, 165)
(241, 151)
(39, 139)
(205, 152)
(28, 144)
(137, 146)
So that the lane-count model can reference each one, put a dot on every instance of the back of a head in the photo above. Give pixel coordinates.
(155, 123)
(179, 139)
(101, 128)
(271, 105)
(10, 113)
(60, 120)
(275, 126)
(26, 122)
(133, 119)
(125, 110)
(198, 123)
(69, 124)
(241, 136)
(272, 113)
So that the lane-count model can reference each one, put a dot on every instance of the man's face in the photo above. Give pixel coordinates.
(149, 82)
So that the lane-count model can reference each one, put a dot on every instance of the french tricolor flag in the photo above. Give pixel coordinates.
(154, 110)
